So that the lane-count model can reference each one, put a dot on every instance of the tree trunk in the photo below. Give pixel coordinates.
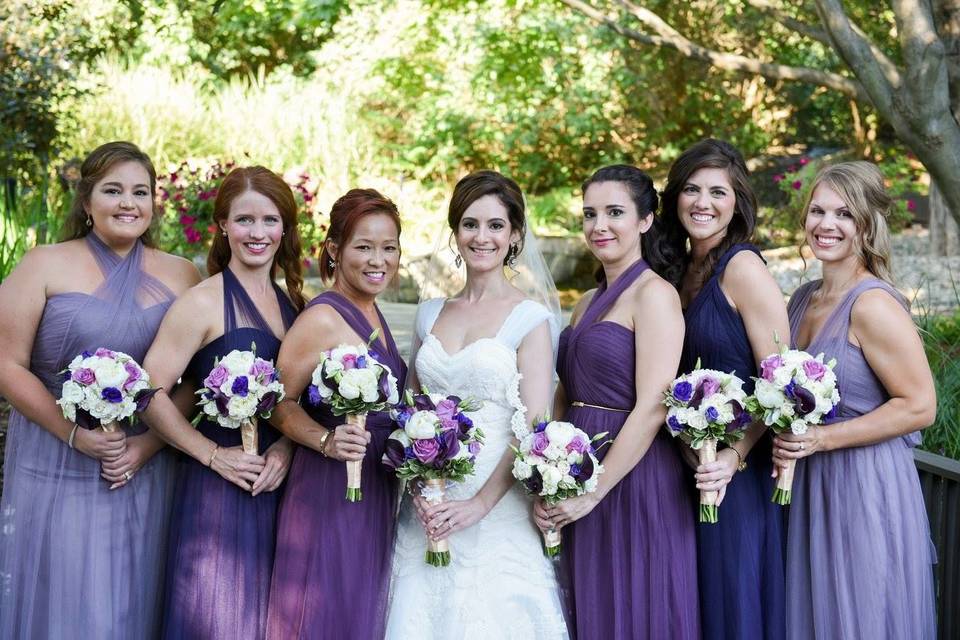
(944, 232)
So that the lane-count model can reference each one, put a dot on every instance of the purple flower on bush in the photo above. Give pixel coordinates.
(426, 450)
(112, 394)
(539, 444)
(240, 387)
(683, 391)
(777, 179)
(814, 369)
(84, 376)
(769, 365)
(796, 184)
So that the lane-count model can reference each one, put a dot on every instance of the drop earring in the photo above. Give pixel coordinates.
(512, 257)
(458, 261)
(89, 220)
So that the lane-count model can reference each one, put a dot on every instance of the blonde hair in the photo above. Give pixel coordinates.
(860, 185)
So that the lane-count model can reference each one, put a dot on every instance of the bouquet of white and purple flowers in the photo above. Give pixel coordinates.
(353, 383)
(706, 407)
(556, 461)
(109, 386)
(794, 391)
(239, 388)
(436, 443)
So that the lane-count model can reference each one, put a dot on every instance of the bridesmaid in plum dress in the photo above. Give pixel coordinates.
(859, 554)
(84, 512)
(332, 571)
(222, 532)
(734, 312)
(629, 548)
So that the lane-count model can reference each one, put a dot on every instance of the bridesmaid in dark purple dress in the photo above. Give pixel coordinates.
(222, 533)
(859, 554)
(332, 570)
(84, 512)
(629, 548)
(734, 311)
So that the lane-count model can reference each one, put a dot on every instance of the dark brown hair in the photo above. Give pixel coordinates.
(94, 167)
(272, 186)
(478, 184)
(344, 216)
(713, 154)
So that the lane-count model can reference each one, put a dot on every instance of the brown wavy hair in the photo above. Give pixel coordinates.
(272, 186)
(94, 167)
(478, 184)
(344, 216)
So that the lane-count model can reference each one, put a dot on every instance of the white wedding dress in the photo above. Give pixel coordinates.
(499, 585)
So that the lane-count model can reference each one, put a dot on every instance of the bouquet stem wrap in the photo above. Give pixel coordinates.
(551, 542)
(354, 467)
(708, 499)
(438, 551)
(110, 427)
(249, 436)
(784, 489)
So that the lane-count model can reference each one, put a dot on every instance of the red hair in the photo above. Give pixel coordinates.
(344, 216)
(269, 184)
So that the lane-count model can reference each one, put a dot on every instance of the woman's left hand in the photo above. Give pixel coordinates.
(121, 469)
(790, 446)
(278, 457)
(716, 475)
(447, 518)
(570, 510)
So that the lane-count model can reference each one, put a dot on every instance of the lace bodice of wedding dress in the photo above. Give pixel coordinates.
(499, 584)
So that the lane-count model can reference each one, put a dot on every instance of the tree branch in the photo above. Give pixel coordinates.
(668, 37)
(923, 53)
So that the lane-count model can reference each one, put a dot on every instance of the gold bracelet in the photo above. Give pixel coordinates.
(73, 434)
(323, 443)
(213, 455)
(741, 465)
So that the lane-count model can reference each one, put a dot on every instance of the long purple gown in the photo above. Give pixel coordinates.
(331, 574)
(76, 559)
(859, 553)
(631, 562)
(220, 554)
(741, 557)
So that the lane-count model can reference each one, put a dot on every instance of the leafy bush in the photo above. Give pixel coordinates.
(941, 337)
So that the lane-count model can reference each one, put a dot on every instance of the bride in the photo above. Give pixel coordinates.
(494, 343)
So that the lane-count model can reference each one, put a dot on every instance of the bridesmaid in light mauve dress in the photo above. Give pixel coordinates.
(77, 559)
(859, 554)
(629, 548)
(332, 570)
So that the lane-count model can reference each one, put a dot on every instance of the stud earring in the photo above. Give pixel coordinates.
(223, 233)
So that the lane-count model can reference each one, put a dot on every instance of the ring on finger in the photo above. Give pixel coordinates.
(128, 474)
(801, 446)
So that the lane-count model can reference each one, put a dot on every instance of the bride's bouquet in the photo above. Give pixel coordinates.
(353, 383)
(238, 389)
(706, 407)
(107, 385)
(556, 461)
(794, 391)
(436, 444)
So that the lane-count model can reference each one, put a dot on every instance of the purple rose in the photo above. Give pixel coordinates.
(104, 353)
(313, 395)
(769, 365)
(683, 391)
(112, 394)
(578, 444)
(539, 444)
(241, 386)
(474, 448)
(84, 376)
(349, 362)
(446, 424)
(426, 450)
(814, 369)
(261, 368)
(708, 386)
(446, 409)
(217, 376)
(712, 414)
(133, 374)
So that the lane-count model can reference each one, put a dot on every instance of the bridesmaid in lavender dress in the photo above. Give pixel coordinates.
(734, 310)
(222, 532)
(77, 559)
(859, 553)
(332, 570)
(629, 548)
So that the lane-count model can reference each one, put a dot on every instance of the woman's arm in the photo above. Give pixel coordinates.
(894, 351)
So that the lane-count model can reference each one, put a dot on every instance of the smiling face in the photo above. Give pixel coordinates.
(829, 226)
(121, 203)
(706, 205)
(369, 260)
(611, 223)
(484, 234)
(254, 229)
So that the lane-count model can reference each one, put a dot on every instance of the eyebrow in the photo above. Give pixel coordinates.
(715, 186)
(117, 184)
(471, 218)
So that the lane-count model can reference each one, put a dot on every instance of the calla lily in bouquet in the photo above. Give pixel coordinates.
(556, 461)
(795, 390)
(437, 443)
(706, 407)
(109, 386)
(238, 389)
(353, 383)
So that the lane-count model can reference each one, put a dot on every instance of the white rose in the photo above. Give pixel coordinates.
(72, 392)
(574, 458)
(798, 427)
(823, 405)
(591, 483)
(422, 425)
(359, 383)
(768, 395)
(551, 475)
(526, 442)
(348, 388)
(554, 452)
(560, 433)
(109, 373)
(782, 376)
(210, 408)
(241, 408)
(99, 409)
(238, 362)
(75, 363)
(788, 410)
(521, 470)
(564, 467)
(696, 421)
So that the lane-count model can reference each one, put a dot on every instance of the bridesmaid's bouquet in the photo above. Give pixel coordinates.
(794, 391)
(436, 443)
(706, 407)
(557, 461)
(107, 385)
(353, 383)
(239, 388)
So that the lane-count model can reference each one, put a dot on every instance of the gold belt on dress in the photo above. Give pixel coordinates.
(577, 403)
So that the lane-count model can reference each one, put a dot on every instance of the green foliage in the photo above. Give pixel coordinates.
(26, 220)
(941, 337)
